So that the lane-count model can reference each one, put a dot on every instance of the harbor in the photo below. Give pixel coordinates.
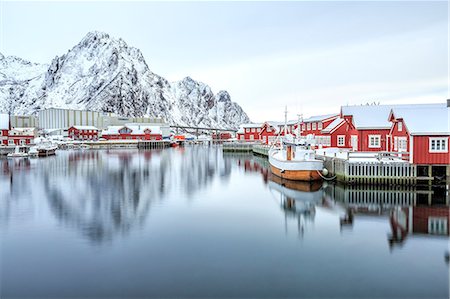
(222, 216)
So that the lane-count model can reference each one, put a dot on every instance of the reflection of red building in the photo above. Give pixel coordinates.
(432, 220)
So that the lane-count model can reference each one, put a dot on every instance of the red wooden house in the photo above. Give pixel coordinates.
(222, 136)
(368, 127)
(426, 139)
(132, 132)
(21, 136)
(249, 132)
(4, 128)
(83, 133)
(316, 125)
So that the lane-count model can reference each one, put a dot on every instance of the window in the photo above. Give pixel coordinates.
(402, 144)
(22, 142)
(258, 130)
(252, 137)
(374, 141)
(319, 126)
(400, 126)
(438, 145)
(10, 142)
(437, 225)
(241, 137)
(313, 126)
(308, 126)
(341, 140)
(303, 127)
(252, 130)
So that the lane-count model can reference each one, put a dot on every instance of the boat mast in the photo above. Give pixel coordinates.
(300, 119)
(285, 121)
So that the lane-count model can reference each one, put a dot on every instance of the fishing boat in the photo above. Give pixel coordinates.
(45, 150)
(294, 158)
(17, 153)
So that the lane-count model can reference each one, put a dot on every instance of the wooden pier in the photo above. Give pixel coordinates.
(238, 147)
(153, 144)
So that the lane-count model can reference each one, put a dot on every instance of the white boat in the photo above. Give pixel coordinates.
(295, 159)
(33, 151)
(45, 150)
(17, 154)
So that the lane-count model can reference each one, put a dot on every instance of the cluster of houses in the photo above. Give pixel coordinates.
(421, 130)
(12, 136)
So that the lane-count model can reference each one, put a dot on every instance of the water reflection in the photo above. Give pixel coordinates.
(192, 222)
(106, 193)
(410, 211)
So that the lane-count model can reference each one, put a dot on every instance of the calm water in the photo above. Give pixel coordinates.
(196, 223)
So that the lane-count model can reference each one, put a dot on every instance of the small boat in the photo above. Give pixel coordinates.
(33, 152)
(46, 150)
(17, 154)
(295, 159)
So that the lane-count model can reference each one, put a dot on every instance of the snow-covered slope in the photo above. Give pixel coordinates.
(102, 73)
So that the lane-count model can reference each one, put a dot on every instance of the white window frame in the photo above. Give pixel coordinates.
(303, 127)
(308, 126)
(400, 126)
(437, 225)
(319, 125)
(252, 137)
(241, 137)
(440, 145)
(314, 126)
(374, 144)
(339, 138)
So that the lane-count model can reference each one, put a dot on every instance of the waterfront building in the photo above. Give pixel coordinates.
(83, 133)
(368, 127)
(335, 135)
(270, 130)
(58, 121)
(426, 140)
(21, 136)
(249, 132)
(133, 132)
(4, 128)
(315, 126)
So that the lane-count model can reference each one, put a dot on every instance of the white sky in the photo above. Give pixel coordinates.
(311, 56)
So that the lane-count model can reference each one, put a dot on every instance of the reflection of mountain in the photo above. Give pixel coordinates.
(104, 193)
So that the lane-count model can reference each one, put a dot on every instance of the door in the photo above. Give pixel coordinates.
(354, 142)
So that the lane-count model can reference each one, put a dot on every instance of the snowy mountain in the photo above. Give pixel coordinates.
(102, 73)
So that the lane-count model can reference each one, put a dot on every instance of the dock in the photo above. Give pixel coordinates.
(354, 168)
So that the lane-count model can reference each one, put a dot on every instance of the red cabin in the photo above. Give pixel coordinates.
(83, 133)
(248, 132)
(368, 127)
(426, 140)
(134, 132)
(4, 129)
(21, 136)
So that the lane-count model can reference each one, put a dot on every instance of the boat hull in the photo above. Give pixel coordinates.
(45, 152)
(296, 170)
(296, 175)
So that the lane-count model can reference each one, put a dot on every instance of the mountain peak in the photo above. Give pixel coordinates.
(103, 73)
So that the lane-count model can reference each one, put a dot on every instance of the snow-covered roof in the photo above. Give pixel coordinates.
(334, 124)
(135, 130)
(85, 128)
(425, 119)
(257, 125)
(369, 116)
(4, 121)
(319, 117)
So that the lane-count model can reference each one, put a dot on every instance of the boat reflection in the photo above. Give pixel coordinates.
(297, 199)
